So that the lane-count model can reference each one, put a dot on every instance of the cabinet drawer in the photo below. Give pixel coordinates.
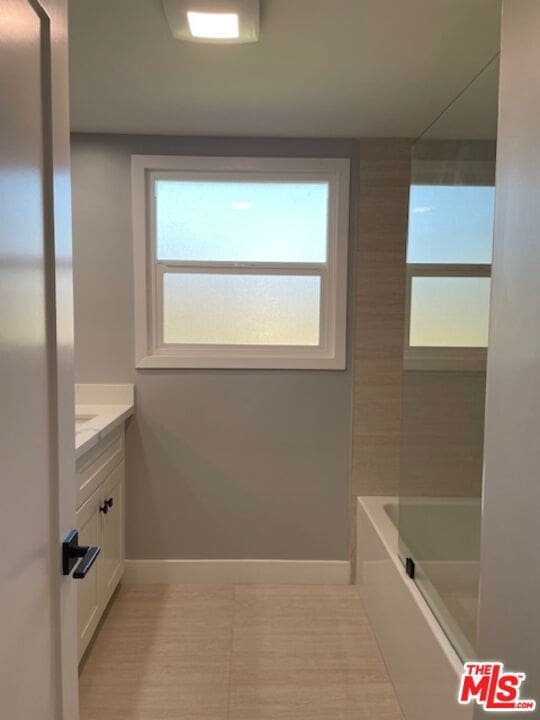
(95, 465)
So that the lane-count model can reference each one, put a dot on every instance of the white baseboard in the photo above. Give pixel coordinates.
(239, 572)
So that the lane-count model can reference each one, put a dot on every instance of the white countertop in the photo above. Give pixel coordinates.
(98, 410)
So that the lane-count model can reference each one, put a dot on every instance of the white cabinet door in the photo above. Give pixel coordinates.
(111, 561)
(88, 605)
(100, 521)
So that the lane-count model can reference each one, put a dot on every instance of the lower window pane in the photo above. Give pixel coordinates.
(449, 312)
(220, 309)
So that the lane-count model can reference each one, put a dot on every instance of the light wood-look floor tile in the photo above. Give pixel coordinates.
(305, 654)
(236, 653)
(163, 653)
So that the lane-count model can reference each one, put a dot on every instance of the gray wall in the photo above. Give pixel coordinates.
(509, 617)
(220, 464)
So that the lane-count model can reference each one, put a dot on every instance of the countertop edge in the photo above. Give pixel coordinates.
(107, 418)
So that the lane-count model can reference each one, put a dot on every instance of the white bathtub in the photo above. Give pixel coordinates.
(423, 665)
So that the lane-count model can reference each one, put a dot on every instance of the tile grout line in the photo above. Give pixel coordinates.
(233, 619)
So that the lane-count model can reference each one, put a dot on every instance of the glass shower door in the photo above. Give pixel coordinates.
(447, 310)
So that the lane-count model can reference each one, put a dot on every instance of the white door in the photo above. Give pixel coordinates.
(38, 679)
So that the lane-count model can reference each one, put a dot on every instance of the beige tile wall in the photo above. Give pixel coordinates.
(442, 434)
(379, 316)
(380, 301)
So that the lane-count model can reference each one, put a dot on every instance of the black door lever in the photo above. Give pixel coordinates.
(72, 551)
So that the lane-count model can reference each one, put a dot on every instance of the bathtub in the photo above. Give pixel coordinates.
(443, 536)
(423, 665)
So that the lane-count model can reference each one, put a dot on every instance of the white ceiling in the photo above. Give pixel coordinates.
(326, 68)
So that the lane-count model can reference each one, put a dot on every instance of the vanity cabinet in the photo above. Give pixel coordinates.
(100, 521)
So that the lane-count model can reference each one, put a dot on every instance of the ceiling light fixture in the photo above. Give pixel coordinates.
(213, 21)
(218, 26)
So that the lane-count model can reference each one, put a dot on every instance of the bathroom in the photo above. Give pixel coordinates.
(294, 291)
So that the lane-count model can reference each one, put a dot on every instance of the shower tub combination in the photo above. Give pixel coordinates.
(424, 660)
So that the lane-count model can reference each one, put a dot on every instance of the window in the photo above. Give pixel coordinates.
(448, 276)
(240, 262)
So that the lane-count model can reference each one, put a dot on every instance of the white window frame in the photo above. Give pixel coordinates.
(150, 350)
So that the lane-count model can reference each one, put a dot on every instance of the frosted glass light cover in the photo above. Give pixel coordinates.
(450, 224)
(213, 21)
(214, 25)
(241, 221)
(212, 308)
(449, 312)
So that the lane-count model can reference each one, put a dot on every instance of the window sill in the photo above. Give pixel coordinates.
(243, 362)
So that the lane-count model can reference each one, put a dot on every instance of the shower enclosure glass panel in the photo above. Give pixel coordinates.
(447, 309)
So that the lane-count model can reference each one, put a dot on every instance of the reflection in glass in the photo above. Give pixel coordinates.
(449, 312)
(450, 224)
(443, 403)
(236, 309)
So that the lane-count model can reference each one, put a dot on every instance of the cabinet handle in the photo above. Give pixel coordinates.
(106, 505)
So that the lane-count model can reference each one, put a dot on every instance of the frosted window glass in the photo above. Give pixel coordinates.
(241, 309)
(449, 311)
(241, 221)
(450, 224)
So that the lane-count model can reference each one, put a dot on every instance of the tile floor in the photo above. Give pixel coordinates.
(243, 652)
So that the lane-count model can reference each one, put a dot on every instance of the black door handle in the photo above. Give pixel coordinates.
(72, 551)
(88, 559)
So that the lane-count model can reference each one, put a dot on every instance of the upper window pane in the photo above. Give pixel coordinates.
(241, 221)
(450, 224)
